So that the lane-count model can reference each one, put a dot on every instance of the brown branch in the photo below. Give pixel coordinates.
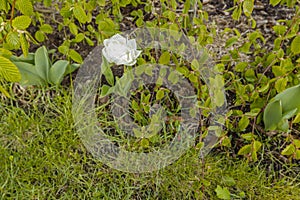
(12, 11)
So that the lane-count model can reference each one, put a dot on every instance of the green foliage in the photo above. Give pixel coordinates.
(37, 68)
(284, 106)
(8, 72)
(222, 193)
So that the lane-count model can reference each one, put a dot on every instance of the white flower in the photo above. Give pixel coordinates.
(119, 50)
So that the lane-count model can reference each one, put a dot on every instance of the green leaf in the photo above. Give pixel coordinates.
(240, 67)
(63, 49)
(231, 41)
(274, 2)
(71, 68)
(24, 44)
(89, 41)
(39, 36)
(13, 40)
(57, 71)
(296, 143)
(8, 70)
(160, 94)
(42, 62)
(25, 6)
(295, 46)
(248, 6)
(248, 136)
(289, 150)
(281, 84)
(29, 74)
(222, 193)
(80, 14)
(297, 154)
(280, 29)
(78, 38)
(73, 28)
(256, 145)
(3, 91)
(289, 98)
(4, 6)
(237, 13)
(272, 115)
(173, 77)
(74, 55)
(243, 123)
(107, 72)
(297, 118)
(46, 28)
(164, 58)
(21, 22)
(65, 11)
(245, 150)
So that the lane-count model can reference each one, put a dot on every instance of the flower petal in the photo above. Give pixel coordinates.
(131, 44)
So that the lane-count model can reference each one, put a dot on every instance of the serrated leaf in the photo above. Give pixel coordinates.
(4, 5)
(295, 46)
(9, 70)
(5, 53)
(25, 6)
(21, 22)
(13, 40)
(42, 62)
(243, 123)
(222, 193)
(24, 44)
(57, 71)
(74, 55)
(46, 28)
(245, 150)
(80, 14)
(164, 58)
(289, 150)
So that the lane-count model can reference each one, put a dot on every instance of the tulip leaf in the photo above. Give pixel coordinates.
(57, 71)
(272, 115)
(289, 98)
(42, 62)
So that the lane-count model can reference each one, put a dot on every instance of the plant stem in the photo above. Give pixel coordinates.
(12, 11)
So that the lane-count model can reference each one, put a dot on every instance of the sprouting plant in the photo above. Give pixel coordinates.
(37, 68)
